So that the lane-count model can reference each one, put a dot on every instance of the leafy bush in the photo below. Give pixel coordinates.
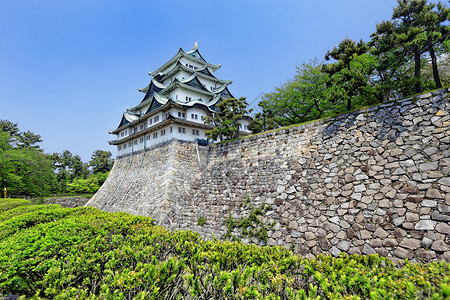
(7, 204)
(54, 253)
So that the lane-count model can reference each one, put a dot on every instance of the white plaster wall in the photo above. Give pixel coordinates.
(209, 83)
(244, 126)
(186, 60)
(182, 93)
(197, 111)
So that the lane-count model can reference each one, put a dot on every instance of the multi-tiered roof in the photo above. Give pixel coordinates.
(181, 93)
(166, 80)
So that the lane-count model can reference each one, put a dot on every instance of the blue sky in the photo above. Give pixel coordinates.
(68, 69)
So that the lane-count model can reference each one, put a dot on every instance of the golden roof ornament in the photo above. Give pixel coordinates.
(195, 45)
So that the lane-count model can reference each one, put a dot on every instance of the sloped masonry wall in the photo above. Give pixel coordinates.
(374, 181)
(151, 183)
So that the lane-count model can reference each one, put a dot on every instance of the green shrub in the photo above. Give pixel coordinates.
(201, 221)
(7, 204)
(55, 253)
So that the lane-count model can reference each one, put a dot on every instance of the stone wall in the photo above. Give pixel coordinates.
(373, 181)
(67, 201)
(152, 183)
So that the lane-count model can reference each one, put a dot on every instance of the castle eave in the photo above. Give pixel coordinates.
(160, 125)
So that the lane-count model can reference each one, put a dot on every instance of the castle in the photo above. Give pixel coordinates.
(181, 93)
(373, 181)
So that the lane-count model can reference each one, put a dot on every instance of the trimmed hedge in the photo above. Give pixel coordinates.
(83, 253)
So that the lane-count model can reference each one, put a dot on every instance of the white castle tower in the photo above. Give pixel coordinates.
(181, 93)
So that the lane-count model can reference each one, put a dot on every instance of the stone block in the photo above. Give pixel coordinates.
(403, 253)
(390, 242)
(412, 217)
(433, 194)
(398, 221)
(440, 217)
(380, 232)
(425, 225)
(375, 243)
(443, 228)
(426, 242)
(335, 251)
(367, 250)
(385, 203)
(410, 243)
(360, 188)
(445, 181)
(309, 236)
(354, 250)
(344, 245)
(364, 234)
(425, 255)
(431, 166)
(440, 246)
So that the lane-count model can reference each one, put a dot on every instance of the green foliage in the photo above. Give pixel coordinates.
(349, 75)
(101, 161)
(262, 121)
(24, 171)
(416, 27)
(406, 55)
(227, 121)
(302, 99)
(249, 226)
(201, 221)
(47, 252)
(74, 177)
(19, 139)
(89, 185)
(8, 204)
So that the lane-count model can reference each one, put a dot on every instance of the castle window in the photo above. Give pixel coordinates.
(194, 116)
(163, 132)
(155, 135)
(176, 97)
(188, 98)
(135, 142)
(119, 148)
(124, 146)
(148, 137)
(150, 121)
(141, 127)
(181, 115)
(170, 129)
(129, 144)
(156, 119)
(181, 130)
(141, 140)
(195, 132)
(122, 134)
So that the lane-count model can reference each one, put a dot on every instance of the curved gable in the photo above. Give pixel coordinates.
(194, 82)
(195, 53)
(153, 89)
